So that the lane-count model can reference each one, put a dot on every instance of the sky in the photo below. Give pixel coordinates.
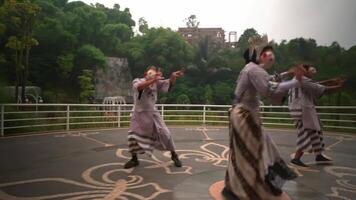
(323, 20)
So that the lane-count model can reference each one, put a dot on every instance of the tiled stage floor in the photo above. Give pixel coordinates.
(88, 165)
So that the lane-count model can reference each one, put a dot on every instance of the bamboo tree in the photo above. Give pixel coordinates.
(22, 17)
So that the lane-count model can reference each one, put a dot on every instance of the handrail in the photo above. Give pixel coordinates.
(166, 105)
(20, 118)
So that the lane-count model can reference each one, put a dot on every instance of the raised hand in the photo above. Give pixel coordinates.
(340, 81)
(178, 74)
(298, 71)
(175, 75)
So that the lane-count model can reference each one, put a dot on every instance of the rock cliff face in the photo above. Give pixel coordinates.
(114, 81)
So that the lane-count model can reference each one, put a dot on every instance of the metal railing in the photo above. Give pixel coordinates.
(24, 118)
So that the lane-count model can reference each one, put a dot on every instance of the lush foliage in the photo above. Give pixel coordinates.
(69, 41)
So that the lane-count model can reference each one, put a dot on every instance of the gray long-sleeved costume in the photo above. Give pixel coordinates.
(252, 151)
(302, 102)
(147, 128)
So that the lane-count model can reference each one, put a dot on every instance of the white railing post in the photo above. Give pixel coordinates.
(119, 116)
(2, 120)
(68, 118)
(204, 114)
(162, 111)
(339, 118)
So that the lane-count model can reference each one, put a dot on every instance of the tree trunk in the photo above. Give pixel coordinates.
(21, 72)
(17, 88)
(17, 77)
(23, 87)
(25, 74)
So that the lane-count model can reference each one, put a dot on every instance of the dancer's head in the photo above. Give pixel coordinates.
(267, 57)
(151, 72)
(260, 51)
(310, 71)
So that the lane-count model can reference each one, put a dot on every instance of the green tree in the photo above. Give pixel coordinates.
(89, 55)
(90, 58)
(74, 37)
(208, 95)
(183, 99)
(87, 90)
(161, 47)
(66, 64)
(142, 25)
(21, 16)
(223, 93)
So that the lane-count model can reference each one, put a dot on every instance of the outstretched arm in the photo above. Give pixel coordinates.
(174, 76)
(261, 81)
(287, 85)
(166, 85)
(331, 82)
(298, 72)
(281, 77)
(143, 84)
(325, 82)
(336, 86)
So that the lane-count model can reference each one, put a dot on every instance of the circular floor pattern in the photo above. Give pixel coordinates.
(208, 185)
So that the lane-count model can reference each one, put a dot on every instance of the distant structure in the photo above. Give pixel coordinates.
(233, 41)
(32, 94)
(112, 110)
(216, 35)
(193, 34)
(118, 100)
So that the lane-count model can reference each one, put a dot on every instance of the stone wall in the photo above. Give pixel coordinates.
(115, 81)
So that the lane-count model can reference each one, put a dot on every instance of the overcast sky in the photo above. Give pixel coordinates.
(324, 20)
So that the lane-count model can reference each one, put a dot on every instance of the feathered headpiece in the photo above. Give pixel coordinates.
(256, 45)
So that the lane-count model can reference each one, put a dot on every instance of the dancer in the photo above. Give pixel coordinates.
(302, 108)
(256, 170)
(147, 128)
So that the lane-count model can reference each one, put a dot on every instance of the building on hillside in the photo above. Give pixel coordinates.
(216, 36)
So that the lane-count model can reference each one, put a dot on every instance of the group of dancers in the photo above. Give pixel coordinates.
(255, 168)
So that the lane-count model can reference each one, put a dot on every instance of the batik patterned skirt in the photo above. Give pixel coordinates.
(308, 140)
(253, 155)
(147, 132)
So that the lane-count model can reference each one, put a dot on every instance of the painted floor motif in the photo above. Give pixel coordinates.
(89, 165)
